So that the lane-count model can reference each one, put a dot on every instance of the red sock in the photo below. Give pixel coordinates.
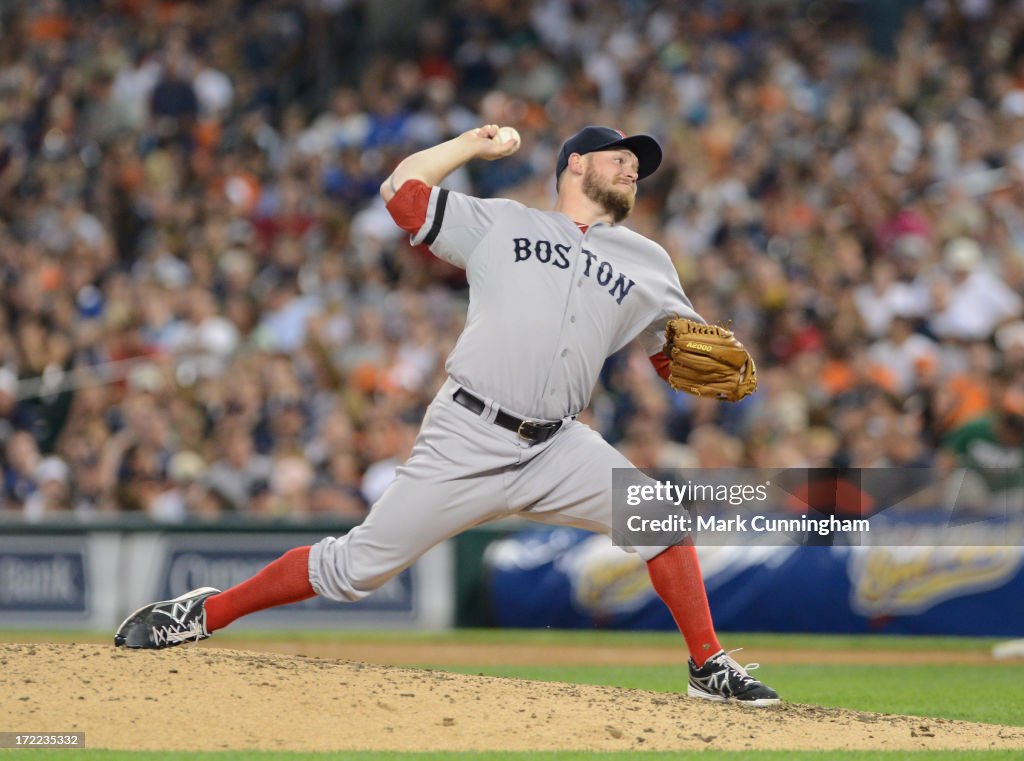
(284, 581)
(676, 576)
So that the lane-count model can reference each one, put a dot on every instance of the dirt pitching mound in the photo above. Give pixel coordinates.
(199, 699)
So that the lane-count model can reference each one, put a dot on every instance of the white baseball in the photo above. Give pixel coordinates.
(509, 133)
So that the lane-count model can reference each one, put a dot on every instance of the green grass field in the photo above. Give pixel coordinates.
(97, 755)
(990, 692)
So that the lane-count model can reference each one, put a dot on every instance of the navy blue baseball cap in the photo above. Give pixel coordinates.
(593, 138)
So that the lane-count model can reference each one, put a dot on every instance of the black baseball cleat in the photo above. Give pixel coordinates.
(724, 680)
(167, 623)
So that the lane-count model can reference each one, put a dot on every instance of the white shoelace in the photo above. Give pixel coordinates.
(743, 670)
(163, 635)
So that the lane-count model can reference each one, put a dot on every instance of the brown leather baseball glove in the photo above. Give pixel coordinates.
(707, 360)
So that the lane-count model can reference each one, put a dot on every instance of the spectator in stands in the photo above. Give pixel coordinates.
(238, 472)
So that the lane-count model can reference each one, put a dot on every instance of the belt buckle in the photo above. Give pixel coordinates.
(522, 435)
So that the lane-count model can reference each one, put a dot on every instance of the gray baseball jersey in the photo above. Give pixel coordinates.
(548, 304)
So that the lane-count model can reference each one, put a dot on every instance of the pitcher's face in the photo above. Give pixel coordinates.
(610, 180)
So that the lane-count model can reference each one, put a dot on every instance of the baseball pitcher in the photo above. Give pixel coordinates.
(553, 293)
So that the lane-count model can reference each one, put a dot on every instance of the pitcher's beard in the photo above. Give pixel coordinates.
(617, 203)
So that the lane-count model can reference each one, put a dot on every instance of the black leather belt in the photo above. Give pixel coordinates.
(527, 429)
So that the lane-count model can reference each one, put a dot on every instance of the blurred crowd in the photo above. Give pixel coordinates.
(208, 311)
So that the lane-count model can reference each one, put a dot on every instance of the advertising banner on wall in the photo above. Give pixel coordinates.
(92, 579)
(58, 580)
(573, 579)
(43, 578)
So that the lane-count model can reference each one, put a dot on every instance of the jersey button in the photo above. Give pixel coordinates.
(572, 318)
(579, 284)
(565, 352)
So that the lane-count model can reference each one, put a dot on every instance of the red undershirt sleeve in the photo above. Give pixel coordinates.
(661, 364)
(408, 207)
